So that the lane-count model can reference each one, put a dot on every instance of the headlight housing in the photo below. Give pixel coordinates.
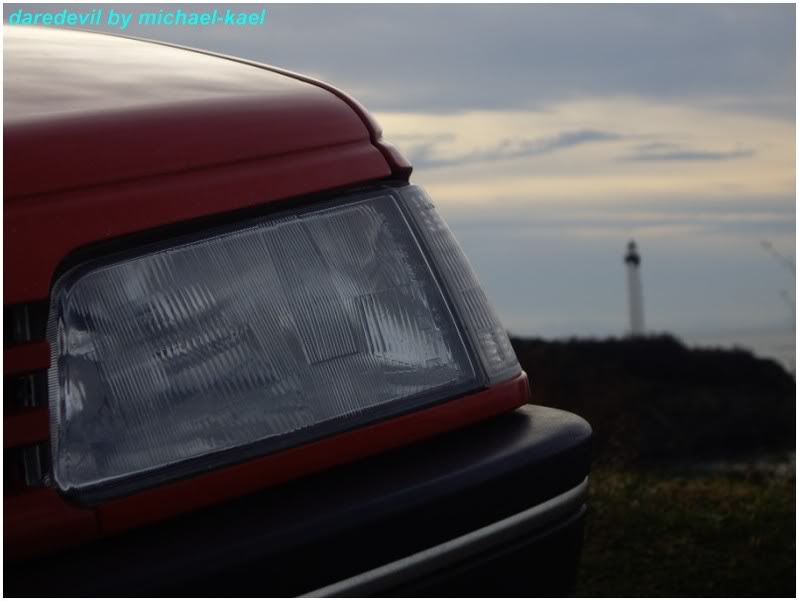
(221, 346)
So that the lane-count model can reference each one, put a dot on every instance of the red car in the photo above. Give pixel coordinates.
(244, 355)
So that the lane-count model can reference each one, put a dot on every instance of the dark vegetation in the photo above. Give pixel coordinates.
(653, 401)
(657, 526)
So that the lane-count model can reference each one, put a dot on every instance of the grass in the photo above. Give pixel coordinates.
(663, 535)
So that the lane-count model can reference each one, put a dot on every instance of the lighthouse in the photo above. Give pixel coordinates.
(634, 293)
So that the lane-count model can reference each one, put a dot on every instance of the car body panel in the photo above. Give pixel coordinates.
(93, 109)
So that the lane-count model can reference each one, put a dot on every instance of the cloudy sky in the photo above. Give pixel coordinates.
(550, 135)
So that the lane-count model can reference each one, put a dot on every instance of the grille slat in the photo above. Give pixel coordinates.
(26, 428)
(26, 358)
(26, 322)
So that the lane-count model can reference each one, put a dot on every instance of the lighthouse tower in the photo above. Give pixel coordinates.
(635, 296)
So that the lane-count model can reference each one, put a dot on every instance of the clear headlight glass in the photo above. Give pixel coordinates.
(480, 319)
(220, 347)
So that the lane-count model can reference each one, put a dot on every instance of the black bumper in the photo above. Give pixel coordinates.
(494, 509)
(491, 561)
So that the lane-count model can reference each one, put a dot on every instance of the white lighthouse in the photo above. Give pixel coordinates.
(635, 295)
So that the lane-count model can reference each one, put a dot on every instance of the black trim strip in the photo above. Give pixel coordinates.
(459, 549)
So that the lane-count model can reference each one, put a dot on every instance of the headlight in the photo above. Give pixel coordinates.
(220, 347)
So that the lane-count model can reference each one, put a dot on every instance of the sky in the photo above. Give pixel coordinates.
(549, 136)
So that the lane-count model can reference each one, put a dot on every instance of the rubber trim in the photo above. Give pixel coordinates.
(459, 549)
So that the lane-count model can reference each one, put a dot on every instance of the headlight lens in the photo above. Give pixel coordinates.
(220, 347)
(481, 322)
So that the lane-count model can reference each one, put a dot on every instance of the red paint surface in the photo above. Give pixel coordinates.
(400, 166)
(40, 521)
(24, 358)
(84, 109)
(118, 146)
(26, 427)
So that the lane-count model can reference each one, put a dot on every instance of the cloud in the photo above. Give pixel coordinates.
(475, 167)
(659, 151)
(424, 155)
(418, 138)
